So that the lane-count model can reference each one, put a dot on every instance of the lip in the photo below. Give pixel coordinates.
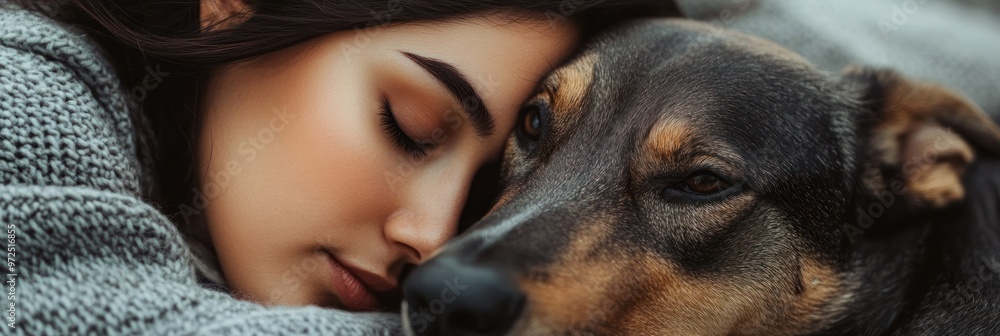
(371, 280)
(353, 294)
(360, 290)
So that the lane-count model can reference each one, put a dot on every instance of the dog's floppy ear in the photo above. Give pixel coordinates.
(923, 133)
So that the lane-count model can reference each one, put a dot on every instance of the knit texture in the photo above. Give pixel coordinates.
(91, 257)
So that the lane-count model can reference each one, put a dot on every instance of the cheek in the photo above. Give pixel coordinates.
(751, 287)
(304, 163)
(645, 294)
(293, 164)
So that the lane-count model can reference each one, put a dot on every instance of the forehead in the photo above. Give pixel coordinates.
(675, 86)
(503, 60)
(710, 78)
(690, 68)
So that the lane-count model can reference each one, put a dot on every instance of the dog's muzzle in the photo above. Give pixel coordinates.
(450, 297)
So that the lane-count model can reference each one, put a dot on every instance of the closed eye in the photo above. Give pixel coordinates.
(701, 185)
(396, 134)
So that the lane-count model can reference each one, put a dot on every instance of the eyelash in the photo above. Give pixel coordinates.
(396, 134)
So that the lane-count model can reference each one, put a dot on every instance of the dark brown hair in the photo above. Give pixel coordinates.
(141, 37)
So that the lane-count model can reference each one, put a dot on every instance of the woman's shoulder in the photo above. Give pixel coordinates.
(64, 117)
(33, 34)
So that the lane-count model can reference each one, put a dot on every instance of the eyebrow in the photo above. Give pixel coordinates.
(459, 86)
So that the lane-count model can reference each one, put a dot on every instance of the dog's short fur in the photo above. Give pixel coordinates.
(859, 203)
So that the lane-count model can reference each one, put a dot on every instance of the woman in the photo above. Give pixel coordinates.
(289, 155)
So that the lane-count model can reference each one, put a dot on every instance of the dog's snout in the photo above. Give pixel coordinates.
(447, 296)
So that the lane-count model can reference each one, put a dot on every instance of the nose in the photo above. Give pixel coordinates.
(449, 297)
(431, 206)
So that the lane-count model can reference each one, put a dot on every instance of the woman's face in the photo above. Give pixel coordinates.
(329, 166)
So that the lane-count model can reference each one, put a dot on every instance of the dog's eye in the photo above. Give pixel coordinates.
(531, 124)
(703, 183)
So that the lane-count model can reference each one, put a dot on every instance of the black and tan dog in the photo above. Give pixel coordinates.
(674, 179)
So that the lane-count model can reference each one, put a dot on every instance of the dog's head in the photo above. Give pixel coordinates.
(678, 179)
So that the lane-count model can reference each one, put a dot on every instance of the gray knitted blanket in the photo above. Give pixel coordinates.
(86, 255)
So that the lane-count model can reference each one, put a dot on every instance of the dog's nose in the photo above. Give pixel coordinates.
(449, 297)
